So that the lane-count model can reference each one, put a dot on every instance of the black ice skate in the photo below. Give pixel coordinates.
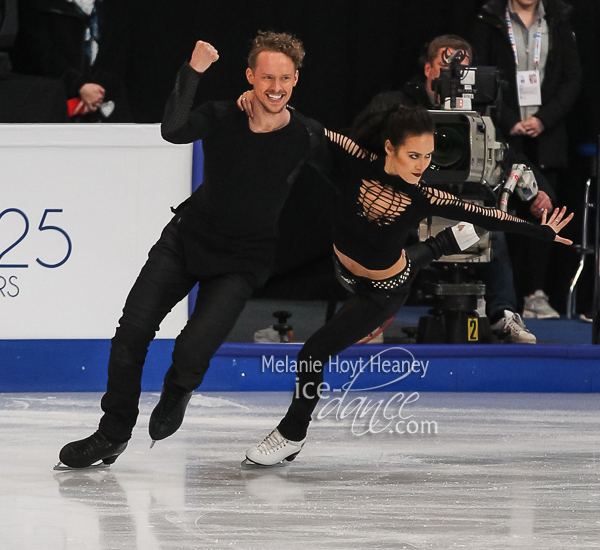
(274, 450)
(94, 451)
(167, 416)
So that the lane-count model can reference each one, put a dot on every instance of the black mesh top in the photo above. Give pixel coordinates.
(376, 211)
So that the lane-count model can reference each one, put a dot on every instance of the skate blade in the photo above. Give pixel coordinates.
(152, 443)
(248, 464)
(60, 467)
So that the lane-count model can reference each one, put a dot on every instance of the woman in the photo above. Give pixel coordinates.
(381, 199)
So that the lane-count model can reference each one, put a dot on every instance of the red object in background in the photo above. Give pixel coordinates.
(73, 104)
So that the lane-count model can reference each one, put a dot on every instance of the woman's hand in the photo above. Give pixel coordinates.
(556, 222)
(244, 102)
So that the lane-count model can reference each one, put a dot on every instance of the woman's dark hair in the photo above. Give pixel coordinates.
(396, 124)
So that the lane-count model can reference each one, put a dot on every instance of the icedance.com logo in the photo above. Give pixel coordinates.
(367, 413)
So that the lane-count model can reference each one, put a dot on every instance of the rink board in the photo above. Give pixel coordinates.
(80, 365)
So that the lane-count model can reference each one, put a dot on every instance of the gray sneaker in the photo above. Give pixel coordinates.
(512, 328)
(537, 307)
(270, 336)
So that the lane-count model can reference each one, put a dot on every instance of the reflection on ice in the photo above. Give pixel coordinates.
(503, 471)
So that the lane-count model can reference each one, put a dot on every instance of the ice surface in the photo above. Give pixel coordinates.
(504, 471)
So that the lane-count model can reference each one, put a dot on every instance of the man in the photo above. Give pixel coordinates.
(418, 90)
(222, 237)
(531, 38)
(501, 298)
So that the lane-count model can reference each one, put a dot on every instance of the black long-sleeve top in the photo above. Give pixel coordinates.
(376, 211)
(229, 224)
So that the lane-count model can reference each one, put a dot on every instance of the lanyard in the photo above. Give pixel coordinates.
(513, 42)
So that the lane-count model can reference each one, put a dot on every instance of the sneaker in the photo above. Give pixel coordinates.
(587, 317)
(274, 449)
(537, 307)
(512, 328)
(86, 452)
(167, 416)
(270, 336)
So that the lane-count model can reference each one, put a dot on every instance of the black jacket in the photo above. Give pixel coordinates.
(562, 80)
(51, 43)
(412, 94)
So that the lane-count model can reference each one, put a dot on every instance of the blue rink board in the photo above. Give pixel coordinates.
(80, 365)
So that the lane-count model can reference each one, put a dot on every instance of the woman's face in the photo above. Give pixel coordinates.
(410, 160)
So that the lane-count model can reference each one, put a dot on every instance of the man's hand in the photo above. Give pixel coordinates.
(203, 57)
(92, 97)
(518, 130)
(533, 126)
(541, 203)
(557, 223)
(244, 102)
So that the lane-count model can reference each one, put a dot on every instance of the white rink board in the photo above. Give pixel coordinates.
(105, 188)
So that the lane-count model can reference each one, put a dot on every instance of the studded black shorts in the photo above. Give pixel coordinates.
(399, 283)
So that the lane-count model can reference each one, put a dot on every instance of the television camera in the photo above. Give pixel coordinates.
(471, 161)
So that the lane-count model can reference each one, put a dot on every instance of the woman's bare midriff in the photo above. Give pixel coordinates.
(375, 274)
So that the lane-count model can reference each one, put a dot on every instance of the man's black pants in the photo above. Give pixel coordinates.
(163, 282)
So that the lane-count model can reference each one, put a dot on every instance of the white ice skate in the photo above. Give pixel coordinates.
(273, 450)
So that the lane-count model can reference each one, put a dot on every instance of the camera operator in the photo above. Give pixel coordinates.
(501, 298)
(532, 41)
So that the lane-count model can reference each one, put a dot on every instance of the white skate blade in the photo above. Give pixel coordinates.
(60, 467)
(248, 464)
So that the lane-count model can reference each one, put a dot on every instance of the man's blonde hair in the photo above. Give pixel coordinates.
(281, 42)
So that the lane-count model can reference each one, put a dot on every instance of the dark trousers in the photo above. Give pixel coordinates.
(362, 313)
(163, 282)
(500, 292)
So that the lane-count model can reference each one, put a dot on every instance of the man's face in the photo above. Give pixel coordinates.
(432, 70)
(525, 4)
(273, 80)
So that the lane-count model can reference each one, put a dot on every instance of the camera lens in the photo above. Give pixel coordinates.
(451, 147)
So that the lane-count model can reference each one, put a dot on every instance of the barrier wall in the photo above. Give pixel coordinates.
(80, 206)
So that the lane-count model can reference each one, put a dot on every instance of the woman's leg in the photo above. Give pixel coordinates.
(360, 314)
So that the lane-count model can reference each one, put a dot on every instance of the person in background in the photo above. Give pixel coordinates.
(501, 298)
(84, 43)
(532, 41)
